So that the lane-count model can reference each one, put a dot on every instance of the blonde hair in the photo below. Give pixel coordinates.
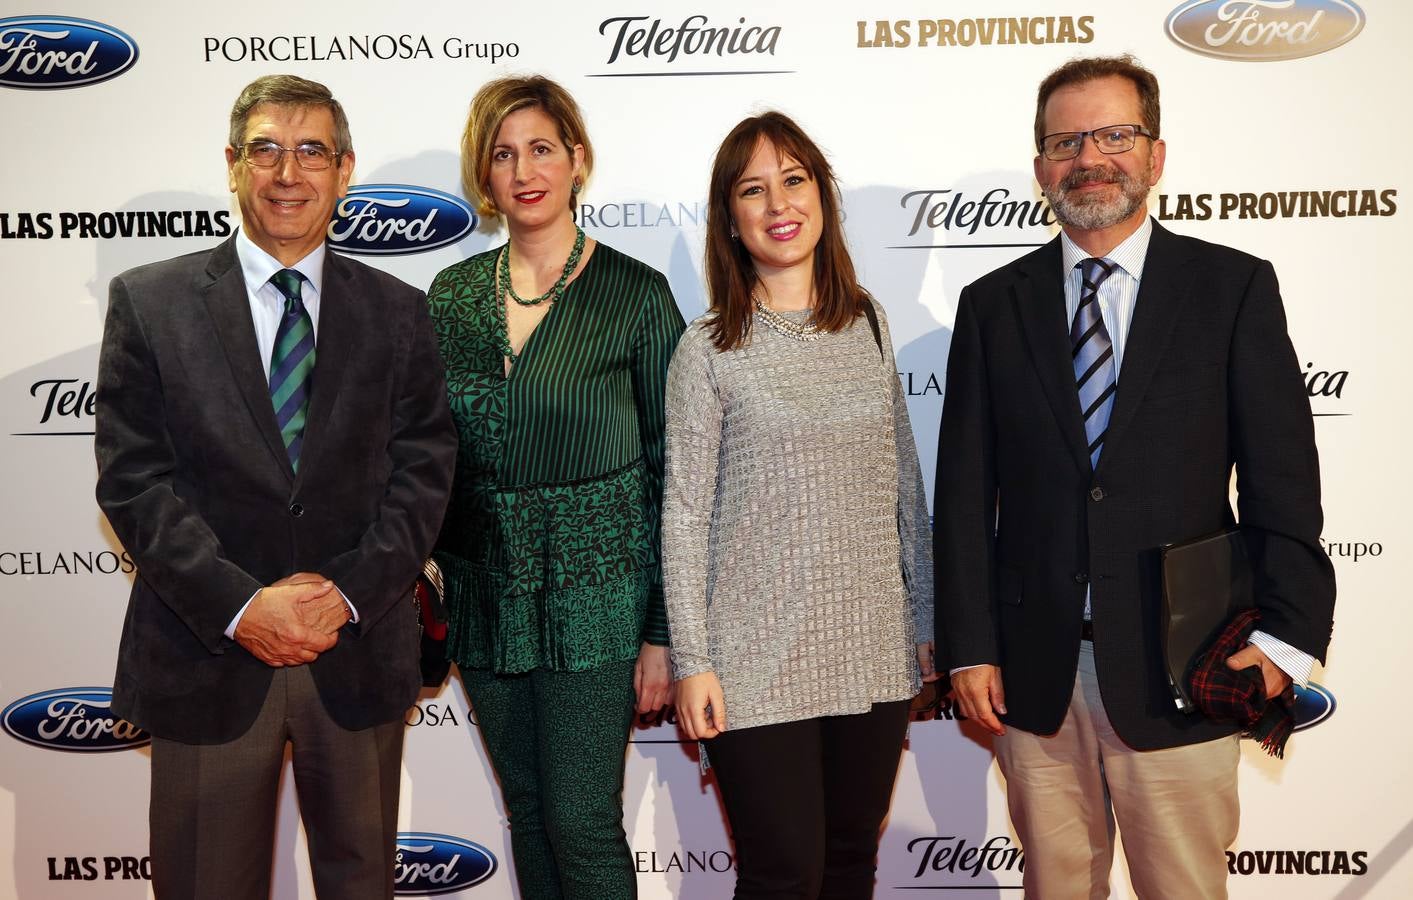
(489, 108)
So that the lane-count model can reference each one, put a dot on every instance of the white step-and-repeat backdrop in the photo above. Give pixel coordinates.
(1288, 131)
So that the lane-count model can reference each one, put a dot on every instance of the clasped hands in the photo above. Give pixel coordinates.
(293, 620)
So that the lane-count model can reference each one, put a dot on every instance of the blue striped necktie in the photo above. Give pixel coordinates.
(292, 363)
(1093, 352)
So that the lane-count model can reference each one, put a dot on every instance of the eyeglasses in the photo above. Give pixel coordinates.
(267, 154)
(1110, 139)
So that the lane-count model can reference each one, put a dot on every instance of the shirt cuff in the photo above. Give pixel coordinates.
(230, 629)
(352, 610)
(685, 665)
(964, 668)
(1295, 663)
(655, 630)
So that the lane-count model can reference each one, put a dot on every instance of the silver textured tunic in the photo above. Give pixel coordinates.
(797, 559)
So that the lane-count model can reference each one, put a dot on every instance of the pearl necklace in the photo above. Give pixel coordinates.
(782, 325)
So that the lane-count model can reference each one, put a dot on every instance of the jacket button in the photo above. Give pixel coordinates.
(1096, 495)
(296, 510)
(1081, 578)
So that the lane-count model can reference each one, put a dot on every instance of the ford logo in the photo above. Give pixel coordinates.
(398, 218)
(71, 719)
(1264, 30)
(44, 52)
(1313, 705)
(425, 863)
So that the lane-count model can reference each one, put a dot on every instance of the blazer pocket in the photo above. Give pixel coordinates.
(1009, 583)
(1184, 382)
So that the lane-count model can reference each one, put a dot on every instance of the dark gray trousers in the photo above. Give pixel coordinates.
(212, 814)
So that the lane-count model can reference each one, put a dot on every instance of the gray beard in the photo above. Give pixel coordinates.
(1093, 213)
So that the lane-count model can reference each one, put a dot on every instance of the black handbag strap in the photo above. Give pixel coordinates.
(873, 324)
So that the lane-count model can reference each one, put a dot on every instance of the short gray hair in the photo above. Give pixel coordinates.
(288, 90)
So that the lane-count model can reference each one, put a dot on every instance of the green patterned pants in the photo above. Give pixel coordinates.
(557, 741)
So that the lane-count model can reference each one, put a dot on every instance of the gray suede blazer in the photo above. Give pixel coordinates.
(194, 479)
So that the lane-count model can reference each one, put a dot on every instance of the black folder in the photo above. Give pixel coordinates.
(1206, 582)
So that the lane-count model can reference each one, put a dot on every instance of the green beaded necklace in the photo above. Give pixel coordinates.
(553, 294)
(557, 290)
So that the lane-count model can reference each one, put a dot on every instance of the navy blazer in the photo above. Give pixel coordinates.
(1023, 526)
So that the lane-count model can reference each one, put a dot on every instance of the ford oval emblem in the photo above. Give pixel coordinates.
(1264, 30)
(426, 863)
(48, 52)
(1313, 705)
(398, 218)
(78, 719)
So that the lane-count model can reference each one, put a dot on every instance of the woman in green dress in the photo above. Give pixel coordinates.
(556, 349)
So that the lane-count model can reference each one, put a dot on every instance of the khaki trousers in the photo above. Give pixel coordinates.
(1177, 808)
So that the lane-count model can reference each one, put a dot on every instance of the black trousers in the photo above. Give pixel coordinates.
(806, 801)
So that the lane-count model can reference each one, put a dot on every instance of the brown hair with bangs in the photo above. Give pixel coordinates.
(489, 108)
(730, 271)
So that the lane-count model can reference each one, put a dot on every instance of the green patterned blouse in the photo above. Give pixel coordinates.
(550, 546)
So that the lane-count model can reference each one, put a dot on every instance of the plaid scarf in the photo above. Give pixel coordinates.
(1232, 695)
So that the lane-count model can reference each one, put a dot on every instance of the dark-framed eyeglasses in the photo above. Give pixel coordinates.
(267, 154)
(1110, 139)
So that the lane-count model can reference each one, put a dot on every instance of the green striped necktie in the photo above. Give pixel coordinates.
(292, 363)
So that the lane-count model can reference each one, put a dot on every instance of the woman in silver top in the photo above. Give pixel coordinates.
(796, 550)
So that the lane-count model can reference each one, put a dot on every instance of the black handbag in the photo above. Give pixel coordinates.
(1206, 582)
(429, 594)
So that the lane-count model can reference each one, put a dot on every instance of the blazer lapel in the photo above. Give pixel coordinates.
(228, 304)
(1167, 275)
(1040, 304)
(339, 317)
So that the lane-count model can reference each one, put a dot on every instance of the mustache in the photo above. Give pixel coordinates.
(1095, 175)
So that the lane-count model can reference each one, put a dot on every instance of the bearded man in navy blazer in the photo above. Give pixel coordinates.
(1100, 391)
(275, 452)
